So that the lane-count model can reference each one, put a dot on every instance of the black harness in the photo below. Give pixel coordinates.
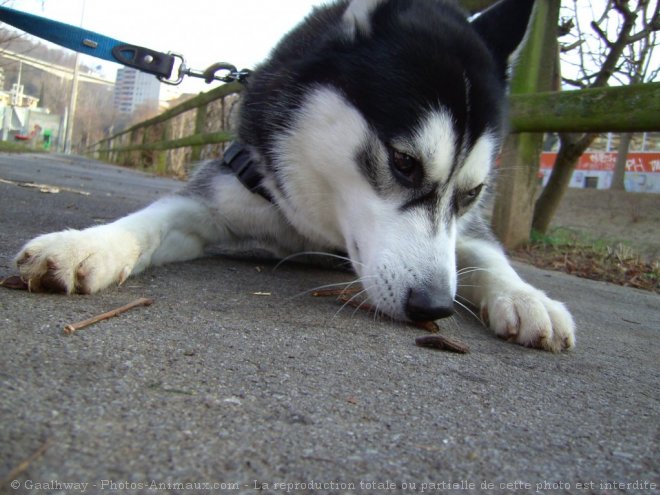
(237, 158)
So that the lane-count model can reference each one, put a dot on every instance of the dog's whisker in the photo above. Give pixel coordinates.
(467, 271)
(461, 270)
(471, 269)
(375, 309)
(378, 313)
(316, 253)
(467, 308)
(351, 302)
(344, 285)
(367, 306)
(357, 306)
(453, 322)
(343, 306)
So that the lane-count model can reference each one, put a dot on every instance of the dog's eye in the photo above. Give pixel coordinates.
(465, 199)
(407, 170)
(473, 194)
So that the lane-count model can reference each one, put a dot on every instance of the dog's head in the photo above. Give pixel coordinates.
(381, 135)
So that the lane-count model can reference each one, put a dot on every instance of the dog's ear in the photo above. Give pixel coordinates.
(503, 27)
(357, 17)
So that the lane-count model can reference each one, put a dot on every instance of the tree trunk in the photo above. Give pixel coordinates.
(570, 150)
(516, 187)
(517, 181)
(619, 176)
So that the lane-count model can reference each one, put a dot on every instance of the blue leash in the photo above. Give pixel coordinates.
(97, 45)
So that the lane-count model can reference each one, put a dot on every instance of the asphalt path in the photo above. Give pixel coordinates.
(237, 381)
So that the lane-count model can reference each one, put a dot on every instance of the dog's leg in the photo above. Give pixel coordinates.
(514, 309)
(175, 228)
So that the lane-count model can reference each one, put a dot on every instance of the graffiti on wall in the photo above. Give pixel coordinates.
(595, 169)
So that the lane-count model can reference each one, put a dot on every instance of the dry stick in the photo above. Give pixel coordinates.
(25, 464)
(429, 326)
(348, 291)
(443, 343)
(70, 329)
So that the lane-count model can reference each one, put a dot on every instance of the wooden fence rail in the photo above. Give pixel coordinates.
(170, 142)
(198, 128)
(614, 109)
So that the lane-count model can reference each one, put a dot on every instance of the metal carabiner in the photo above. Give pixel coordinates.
(228, 72)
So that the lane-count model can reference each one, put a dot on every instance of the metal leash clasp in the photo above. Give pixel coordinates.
(220, 71)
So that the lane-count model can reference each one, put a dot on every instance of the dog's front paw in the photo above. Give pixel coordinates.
(527, 316)
(74, 261)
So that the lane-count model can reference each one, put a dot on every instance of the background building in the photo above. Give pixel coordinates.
(135, 89)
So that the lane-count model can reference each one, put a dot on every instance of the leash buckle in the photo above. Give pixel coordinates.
(144, 59)
(180, 72)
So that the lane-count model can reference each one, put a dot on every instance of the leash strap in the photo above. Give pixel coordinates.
(97, 45)
(237, 158)
(91, 43)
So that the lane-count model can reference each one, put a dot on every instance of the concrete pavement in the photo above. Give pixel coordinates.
(236, 381)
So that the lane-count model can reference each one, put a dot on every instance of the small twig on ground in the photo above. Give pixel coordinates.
(348, 291)
(429, 326)
(70, 329)
(442, 343)
(25, 464)
(44, 188)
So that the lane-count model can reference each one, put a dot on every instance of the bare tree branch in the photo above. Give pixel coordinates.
(601, 34)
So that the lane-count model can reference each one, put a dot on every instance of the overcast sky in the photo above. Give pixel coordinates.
(241, 32)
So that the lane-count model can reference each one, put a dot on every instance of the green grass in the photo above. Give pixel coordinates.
(576, 252)
(563, 239)
(17, 147)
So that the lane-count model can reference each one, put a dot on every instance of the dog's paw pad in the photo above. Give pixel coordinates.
(44, 267)
(530, 318)
(83, 279)
(23, 258)
(73, 261)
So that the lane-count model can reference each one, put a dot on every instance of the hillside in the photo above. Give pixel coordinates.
(94, 112)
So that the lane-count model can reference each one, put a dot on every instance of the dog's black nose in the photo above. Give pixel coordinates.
(421, 306)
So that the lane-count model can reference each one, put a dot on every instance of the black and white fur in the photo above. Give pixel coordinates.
(375, 124)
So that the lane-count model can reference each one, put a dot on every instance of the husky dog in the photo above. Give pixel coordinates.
(371, 130)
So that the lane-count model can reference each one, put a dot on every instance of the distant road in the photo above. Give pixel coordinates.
(91, 192)
(80, 173)
(57, 70)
